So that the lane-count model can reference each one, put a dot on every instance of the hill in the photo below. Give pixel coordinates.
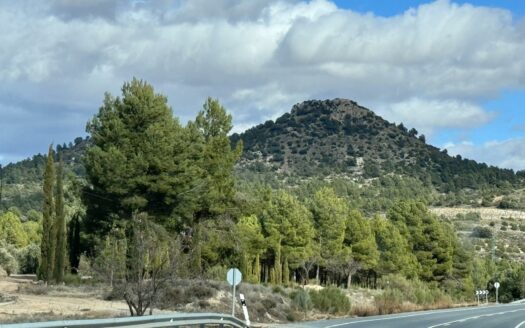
(22, 181)
(340, 137)
(316, 139)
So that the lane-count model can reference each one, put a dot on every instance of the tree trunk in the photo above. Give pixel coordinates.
(349, 281)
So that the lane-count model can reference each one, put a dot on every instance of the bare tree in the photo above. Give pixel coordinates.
(151, 257)
(347, 266)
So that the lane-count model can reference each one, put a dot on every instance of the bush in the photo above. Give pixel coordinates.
(28, 259)
(330, 300)
(481, 232)
(8, 261)
(199, 290)
(390, 301)
(302, 301)
(217, 272)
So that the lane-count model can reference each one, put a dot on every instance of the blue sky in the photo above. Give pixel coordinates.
(454, 70)
(395, 7)
(508, 105)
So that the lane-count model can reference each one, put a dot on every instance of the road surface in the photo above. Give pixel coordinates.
(492, 316)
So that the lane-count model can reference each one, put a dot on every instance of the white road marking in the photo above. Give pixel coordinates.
(520, 324)
(413, 315)
(444, 324)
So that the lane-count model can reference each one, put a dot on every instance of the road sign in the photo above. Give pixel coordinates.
(234, 277)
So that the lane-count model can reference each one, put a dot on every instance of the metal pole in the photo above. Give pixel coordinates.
(477, 296)
(486, 297)
(497, 295)
(233, 295)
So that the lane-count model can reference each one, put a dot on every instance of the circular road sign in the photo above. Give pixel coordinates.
(496, 285)
(234, 276)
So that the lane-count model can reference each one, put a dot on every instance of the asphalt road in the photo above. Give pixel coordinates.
(491, 316)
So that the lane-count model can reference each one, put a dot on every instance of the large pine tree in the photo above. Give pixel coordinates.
(47, 246)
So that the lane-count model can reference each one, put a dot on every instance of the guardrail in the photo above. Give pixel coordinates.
(154, 321)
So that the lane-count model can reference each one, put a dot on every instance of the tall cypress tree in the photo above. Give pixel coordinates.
(47, 245)
(60, 226)
(73, 241)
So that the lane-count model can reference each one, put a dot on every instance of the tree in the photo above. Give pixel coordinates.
(216, 159)
(12, 231)
(140, 159)
(251, 246)
(60, 226)
(329, 216)
(395, 254)
(360, 239)
(47, 247)
(73, 241)
(110, 263)
(289, 231)
(151, 258)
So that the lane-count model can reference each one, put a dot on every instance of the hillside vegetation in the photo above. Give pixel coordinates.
(329, 194)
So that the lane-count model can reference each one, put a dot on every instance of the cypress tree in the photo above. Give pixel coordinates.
(73, 241)
(47, 245)
(60, 226)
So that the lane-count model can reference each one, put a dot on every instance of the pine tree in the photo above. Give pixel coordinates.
(60, 226)
(47, 246)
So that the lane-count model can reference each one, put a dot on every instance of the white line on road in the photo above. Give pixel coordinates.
(474, 318)
(416, 315)
(520, 324)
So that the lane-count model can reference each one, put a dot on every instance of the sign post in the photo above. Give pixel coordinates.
(477, 296)
(234, 277)
(486, 297)
(496, 285)
(245, 310)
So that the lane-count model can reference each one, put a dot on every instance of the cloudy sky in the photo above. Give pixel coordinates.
(454, 70)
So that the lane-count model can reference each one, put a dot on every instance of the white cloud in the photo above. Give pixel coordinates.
(508, 153)
(430, 115)
(435, 63)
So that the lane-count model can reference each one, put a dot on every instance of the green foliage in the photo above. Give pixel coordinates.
(302, 300)
(288, 226)
(330, 300)
(140, 159)
(8, 260)
(12, 231)
(395, 253)
(360, 239)
(47, 246)
(60, 227)
(28, 258)
(329, 214)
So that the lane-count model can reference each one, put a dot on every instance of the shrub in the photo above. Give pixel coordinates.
(28, 259)
(390, 301)
(302, 301)
(330, 300)
(216, 272)
(8, 262)
(481, 232)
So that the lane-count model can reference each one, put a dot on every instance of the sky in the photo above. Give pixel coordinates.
(454, 70)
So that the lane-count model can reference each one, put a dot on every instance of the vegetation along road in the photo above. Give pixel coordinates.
(501, 316)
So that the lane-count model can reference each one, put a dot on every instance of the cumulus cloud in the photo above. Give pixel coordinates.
(508, 153)
(430, 66)
(430, 115)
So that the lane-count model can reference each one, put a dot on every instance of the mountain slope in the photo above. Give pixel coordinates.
(339, 136)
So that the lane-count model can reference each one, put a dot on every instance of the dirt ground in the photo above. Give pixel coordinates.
(51, 306)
